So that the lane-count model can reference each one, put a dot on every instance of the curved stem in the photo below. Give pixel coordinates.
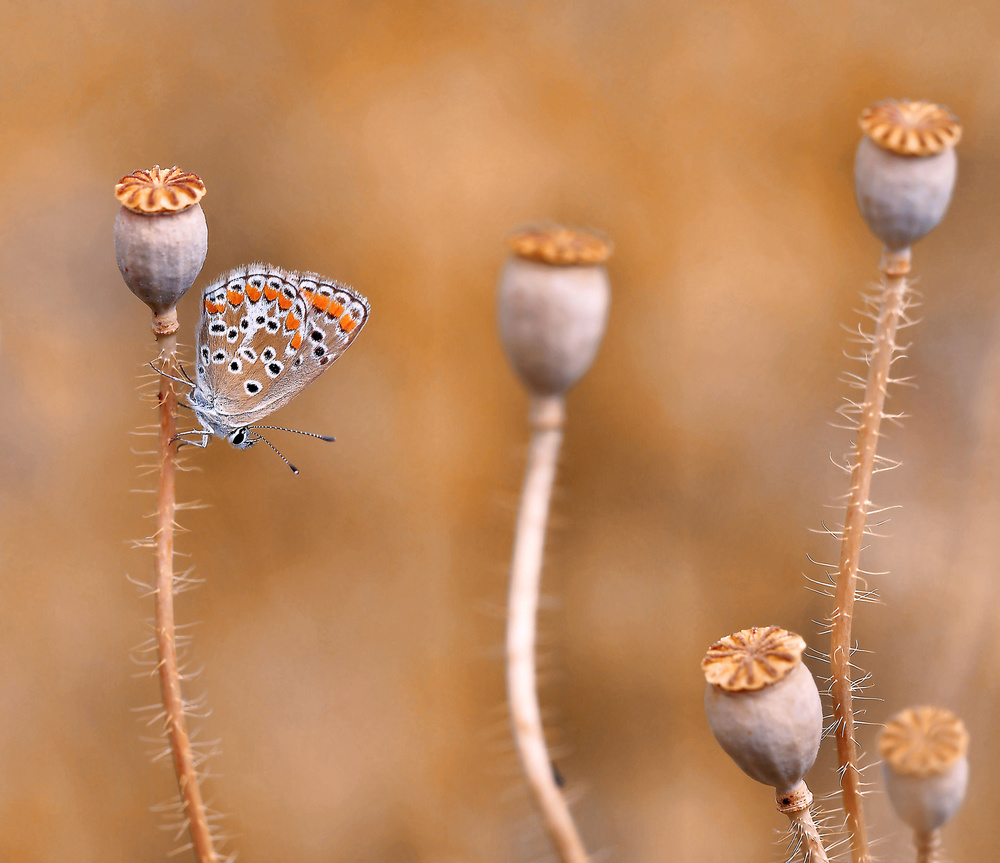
(895, 266)
(547, 417)
(170, 686)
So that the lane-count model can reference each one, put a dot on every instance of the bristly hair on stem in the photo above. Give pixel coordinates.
(552, 311)
(863, 461)
(161, 240)
(526, 569)
(904, 175)
(195, 812)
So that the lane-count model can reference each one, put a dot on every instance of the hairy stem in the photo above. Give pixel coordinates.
(170, 685)
(807, 845)
(895, 266)
(547, 417)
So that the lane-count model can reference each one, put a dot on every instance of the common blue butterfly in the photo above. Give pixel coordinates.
(264, 335)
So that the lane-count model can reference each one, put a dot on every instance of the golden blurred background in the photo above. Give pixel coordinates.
(350, 623)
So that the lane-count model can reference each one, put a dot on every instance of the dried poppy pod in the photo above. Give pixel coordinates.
(763, 706)
(905, 169)
(925, 766)
(553, 305)
(161, 238)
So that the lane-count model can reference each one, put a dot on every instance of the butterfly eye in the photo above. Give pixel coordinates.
(242, 439)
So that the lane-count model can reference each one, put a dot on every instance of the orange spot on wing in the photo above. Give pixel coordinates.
(297, 340)
(253, 292)
(319, 301)
(347, 323)
(335, 310)
(284, 303)
(292, 322)
(235, 297)
(270, 293)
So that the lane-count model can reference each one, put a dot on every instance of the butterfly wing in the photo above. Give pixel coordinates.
(265, 334)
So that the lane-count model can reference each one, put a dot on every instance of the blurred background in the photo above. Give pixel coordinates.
(350, 624)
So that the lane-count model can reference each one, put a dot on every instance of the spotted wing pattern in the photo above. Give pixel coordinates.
(266, 333)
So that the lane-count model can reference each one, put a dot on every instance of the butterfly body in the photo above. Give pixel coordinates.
(263, 336)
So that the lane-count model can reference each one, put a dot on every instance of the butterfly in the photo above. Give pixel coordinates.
(264, 335)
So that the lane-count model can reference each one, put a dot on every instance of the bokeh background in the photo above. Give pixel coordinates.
(350, 623)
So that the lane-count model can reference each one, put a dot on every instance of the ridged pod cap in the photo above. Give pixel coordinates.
(161, 238)
(763, 706)
(553, 305)
(925, 764)
(905, 168)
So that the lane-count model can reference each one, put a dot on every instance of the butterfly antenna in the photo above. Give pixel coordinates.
(293, 468)
(327, 438)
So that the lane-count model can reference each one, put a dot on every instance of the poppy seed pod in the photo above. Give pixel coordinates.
(905, 167)
(553, 306)
(925, 764)
(161, 238)
(763, 706)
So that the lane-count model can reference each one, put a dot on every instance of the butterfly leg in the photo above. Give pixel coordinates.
(180, 438)
(188, 382)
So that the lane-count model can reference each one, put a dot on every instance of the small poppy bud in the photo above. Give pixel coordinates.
(905, 167)
(763, 706)
(161, 238)
(553, 306)
(925, 765)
